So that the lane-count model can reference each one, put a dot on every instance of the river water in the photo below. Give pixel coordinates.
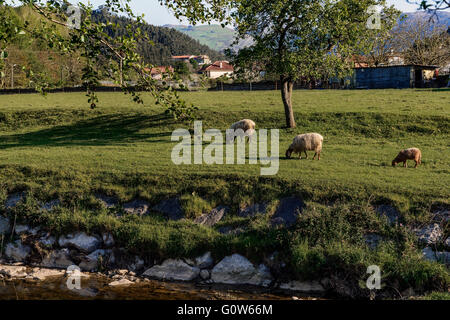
(96, 287)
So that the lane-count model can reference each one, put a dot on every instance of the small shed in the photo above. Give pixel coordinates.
(399, 76)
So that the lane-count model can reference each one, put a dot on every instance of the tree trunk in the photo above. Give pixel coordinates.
(286, 87)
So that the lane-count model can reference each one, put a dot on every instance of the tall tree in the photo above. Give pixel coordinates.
(296, 39)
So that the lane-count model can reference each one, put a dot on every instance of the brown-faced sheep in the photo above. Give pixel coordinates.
(306, 142)
(247, 125)
(408, 154)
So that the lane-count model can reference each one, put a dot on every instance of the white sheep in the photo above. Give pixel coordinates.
(306, 142)
(247, 126)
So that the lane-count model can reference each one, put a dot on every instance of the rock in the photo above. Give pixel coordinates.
(372, 240)
(288, 211)
(47, 241)
(91, 262)
(137, 265)
(252, 210)
(430, 234)
(390, 212)
(49, 206)
(81, 241)
(236, 269)
(121, 282)
(17, 251)
(172, 269)
(5, 226)
(204, 274)
(57, 259)
(204, 261)
(171, 208)
(137, 207)
(14, 199)
(13, 271)
(108, 240)
(20, 229)
(43, 274)
(303, 286)
(429, 254)
(213, 217)
(107, 201)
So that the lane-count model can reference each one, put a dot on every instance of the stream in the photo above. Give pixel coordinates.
(96, 287)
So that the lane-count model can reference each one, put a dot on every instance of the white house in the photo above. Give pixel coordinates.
(218, 69)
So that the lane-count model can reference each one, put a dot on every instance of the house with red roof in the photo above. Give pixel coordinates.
(218, 69)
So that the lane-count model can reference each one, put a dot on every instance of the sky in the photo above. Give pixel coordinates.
(158, 15)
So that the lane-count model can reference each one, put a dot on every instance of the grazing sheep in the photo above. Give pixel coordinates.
(247, 125)
(408, 154)
(306, 142)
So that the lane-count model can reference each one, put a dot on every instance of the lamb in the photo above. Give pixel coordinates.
(247, 125)
(408, 154)
(306, 142)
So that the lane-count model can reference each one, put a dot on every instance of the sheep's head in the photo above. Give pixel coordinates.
(394, 163)
(289, 152)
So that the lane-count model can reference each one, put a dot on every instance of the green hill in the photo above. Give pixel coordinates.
(214, 36)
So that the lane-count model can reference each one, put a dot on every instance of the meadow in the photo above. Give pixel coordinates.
(54, 146)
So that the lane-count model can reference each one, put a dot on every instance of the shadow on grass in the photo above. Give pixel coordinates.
(98, 131)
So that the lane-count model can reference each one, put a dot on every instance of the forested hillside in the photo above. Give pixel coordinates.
(54, 69)
(166, 41)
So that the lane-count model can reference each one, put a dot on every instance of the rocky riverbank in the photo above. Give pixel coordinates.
(36, 254)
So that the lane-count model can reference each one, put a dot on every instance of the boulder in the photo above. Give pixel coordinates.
(171, 208)
(430, 234)
(80, 241)
(108, 240)
(252, 210)
(429, 254)
(205, 261)
(172, 269)
(17, 251)
(5, 226)
(137, 264)
(45, 273)
(47, 240)
(91, 261)
(121, 282)
(303, 286)
(213, 217)
(137, 207)
(21, 228)
(236, 269)
(57, 259)
(13, 271)
(14, 199)
(205, 274)
(389, 212)
(107, 201)
(288, 211)
(49, 206)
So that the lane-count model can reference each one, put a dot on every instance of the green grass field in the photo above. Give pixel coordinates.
(55, 146)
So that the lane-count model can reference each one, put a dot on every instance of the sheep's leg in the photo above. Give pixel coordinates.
(318, 156)
(306, 155)
(315, 154)
(416, 164)
(300, 156)
(404, 164)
